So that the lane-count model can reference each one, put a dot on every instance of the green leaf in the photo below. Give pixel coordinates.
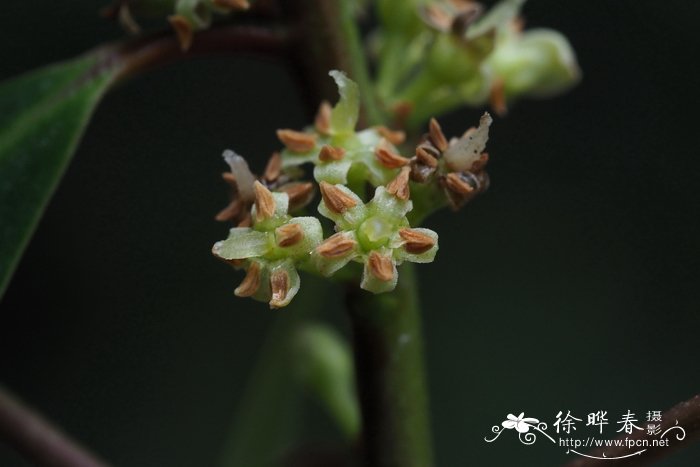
(42, 117)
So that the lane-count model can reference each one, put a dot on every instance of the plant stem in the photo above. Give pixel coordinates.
(143, 54)
(387, 329)
(328, 39)
(391, 376)
(685, 415)
(37, 440)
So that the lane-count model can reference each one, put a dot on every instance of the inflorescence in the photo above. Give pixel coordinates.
(272, 245)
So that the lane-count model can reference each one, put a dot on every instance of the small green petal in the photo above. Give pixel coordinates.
(278, 218)
(294, 159)
(349, 219)
(388, 205)
(243, 242)
(401, 255)
(335, 172)
(294, 281)
(375, 285)
(313, 235)
(347, 110)
(368, 141)
(263, 293)
(328, 266)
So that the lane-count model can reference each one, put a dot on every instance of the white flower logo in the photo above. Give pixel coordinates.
(521, 424)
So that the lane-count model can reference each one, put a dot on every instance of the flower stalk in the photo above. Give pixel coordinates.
(388, 348)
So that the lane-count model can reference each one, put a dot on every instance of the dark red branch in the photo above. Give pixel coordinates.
(688, 416)
(143, 54)
(38, 440)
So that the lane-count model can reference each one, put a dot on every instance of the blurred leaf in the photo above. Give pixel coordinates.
(267, 421)
(324, 364)
(42, 117)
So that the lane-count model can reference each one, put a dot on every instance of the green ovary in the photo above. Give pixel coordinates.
(374, 233)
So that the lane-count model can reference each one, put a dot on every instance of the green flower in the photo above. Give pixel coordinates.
(376, 234)
(271, 249)
(340, 154)
(470, 58)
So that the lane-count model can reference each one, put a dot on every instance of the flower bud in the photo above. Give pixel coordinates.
(538, 63)
(400, 17)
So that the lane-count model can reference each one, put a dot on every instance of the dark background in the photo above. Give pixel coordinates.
(571, 285)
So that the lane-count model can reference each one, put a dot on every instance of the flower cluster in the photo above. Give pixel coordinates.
(338, 152)
(272, 246)
(452, 53)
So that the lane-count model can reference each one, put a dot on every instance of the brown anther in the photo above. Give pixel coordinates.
(279, 283)
(336, 199)
(425, 157)
(247, 221)
(299, 193)
(388, 158)
(232, 4)
(381, 266)
(394, 137)
(467, 13)
(183, 29)
(497, 97)
(264, 202)
(230, 212)
(236, 263)
(323, 118)
(458, 184)
(416, 242)
(289, 235)
(399, 186)
(420, 172)
(273, 167)
(437, 137)
(479, 164)
(127, 20)
(329, 153)
(229, 178)
(336, 246)
(436, 17)
(429, 147)
(250, 283)
(297, 141)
